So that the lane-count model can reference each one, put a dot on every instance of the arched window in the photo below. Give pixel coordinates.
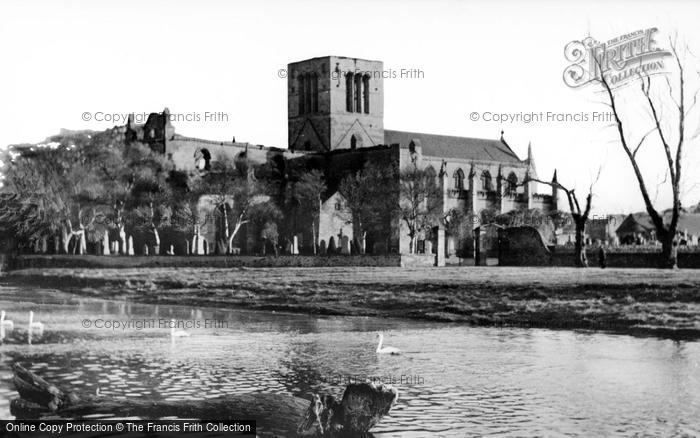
(355, 141)
(365, 95)
(348, 91)
(358, 94)
(511, 184)
(300, 84)
(458, 179)
(314, 95)
(486, 181)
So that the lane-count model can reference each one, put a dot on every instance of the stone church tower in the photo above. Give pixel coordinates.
(335, 103)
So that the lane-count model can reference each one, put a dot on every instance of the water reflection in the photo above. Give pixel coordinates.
(454, 380)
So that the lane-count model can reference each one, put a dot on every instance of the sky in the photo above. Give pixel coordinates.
(63, 60)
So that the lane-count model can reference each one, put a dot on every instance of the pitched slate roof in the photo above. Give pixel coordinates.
(641, 222)
(446, 146)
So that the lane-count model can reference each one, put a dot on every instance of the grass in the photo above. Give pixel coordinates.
(637, 301)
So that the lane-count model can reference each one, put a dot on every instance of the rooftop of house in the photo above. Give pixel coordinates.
(641, 222)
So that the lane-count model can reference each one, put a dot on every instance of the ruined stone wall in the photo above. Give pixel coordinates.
(182, 150)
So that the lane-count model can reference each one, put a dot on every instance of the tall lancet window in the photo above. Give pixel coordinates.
(458, 179)
(365, 94)
(314, 95)
(486, 181)
(348, 91)
(358, 94)
(300, 85)
(308, 93)
(511, 184)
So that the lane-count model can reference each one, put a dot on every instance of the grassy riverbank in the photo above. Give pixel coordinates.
(643, 301)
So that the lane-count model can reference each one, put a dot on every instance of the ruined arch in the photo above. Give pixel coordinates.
(202, 159)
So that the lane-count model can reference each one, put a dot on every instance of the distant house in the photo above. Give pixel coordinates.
(638, 228)
(603, 229)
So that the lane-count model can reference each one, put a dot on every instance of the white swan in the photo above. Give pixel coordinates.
(6, 324)
(385, 350)
(176, 333)
(35, 325)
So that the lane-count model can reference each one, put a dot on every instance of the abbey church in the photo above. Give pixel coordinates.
(336, 125)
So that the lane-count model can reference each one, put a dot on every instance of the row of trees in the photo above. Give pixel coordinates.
(80, 185)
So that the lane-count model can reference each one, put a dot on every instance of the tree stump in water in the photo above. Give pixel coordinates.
(361, 408)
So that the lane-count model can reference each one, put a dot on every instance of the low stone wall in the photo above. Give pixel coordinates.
(116, 262)
(627, 258)
(523, 246)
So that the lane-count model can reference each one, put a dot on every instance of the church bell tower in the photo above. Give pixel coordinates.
(335, 103)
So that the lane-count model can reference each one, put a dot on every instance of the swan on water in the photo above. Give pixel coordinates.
(35, 325)
(385, 350)
(6, 324)
(176, 333)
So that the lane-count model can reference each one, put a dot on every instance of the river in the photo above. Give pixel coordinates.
(454, 380)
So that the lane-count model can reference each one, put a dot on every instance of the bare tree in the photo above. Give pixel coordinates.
(418, 209)
(237, 195)
(305, 195)
(666, 231)
(578, 214)
(371, 195)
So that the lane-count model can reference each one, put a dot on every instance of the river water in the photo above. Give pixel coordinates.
(454, 380)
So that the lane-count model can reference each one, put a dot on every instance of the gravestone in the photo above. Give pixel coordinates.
(145, 249)
(440, 255)
(295, 245)
(130, 245)
(345, 246)
(122, 246)
(105, 243)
